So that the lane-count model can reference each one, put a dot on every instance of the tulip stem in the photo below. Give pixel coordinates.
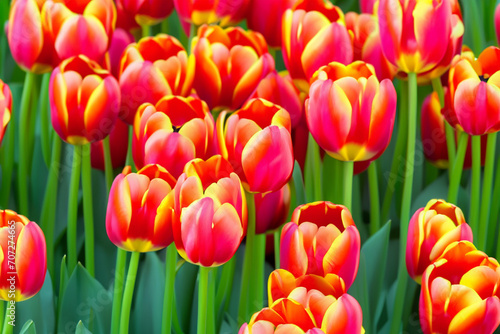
(348, 170)
(7, 162)
(402, 277)
(24, 142)
(374, 198)
(224, 290)
(259, 259)
(484, 225)
(8, 328)
(108, 164)
(169, 293)
(313, 171)
(73, 207)
(88, 210)
(277, 240)
(121, 259)
(203, 300)
(211, 302)
(456, 169)
(129, 292)
(129, 161)
(475, 186)
(471, 23)
(45, 128)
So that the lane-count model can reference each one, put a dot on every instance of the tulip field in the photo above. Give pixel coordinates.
(249, 166)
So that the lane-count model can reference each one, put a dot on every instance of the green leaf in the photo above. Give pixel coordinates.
(298, 182)
(87, 300)
(81, 329)
(29, 328)
(185, 286)
(359, 290)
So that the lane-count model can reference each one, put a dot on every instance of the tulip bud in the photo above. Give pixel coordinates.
(271, 209)
(5, 108)
(148, 12)
(198, 12)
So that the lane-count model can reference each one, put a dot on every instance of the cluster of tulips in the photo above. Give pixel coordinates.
(218, 148)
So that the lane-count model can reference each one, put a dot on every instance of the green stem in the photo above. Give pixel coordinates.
(457, 168)
(248, 268)
(476, 185)
(486, 196)
(169, 293)
(313, 171)
(348, 171)
(8, 151)
(374, 198)
(257, 290)
(88, 210)
(495, 210)
(45, 127)
(2, 311)
(406, 203)
(211, 302)
(450, 144)
(24, 143)
(121, 259)
(203, 300)
(108, 165)
(146, 30)
(7, 328)
(129, 292)
(73, 207)
(130, 160)
(471, 23)
(277, 240)
(224, 289)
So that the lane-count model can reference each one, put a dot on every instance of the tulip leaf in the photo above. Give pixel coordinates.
(28, 328)
(300, 193)
(148, 301)
(81, 329)
(39, 308)
(359, 290)
(185, 285)
(87, 300)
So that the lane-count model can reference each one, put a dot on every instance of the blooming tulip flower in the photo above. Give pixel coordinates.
(431, 230)
(460, 292)
(23, 257)
(230, 63)
(352, 117)
(148, 12)
(80, 27)
(5, 108)
(151, 69)
(133, 220)
(497, 23)
(256, 140)
(117, 137)
(416, 34)
(84, 101)
(174, 132)
(307, 37)
(199, 12)
(321, 239)
(31, 45)
(271, 209)
(119, 42)
(210, 214)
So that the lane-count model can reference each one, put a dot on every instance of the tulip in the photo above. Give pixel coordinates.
(308, 311)
(80, 27)
(230, 63)
(367, 6)
(149, 70)
(271, 209)
(84, 101)
(133, 219)
(172, 133)
(321, 239)
(199, 12)
(119, 42)
(256, 140)
(460, 292)
(5, 108)
(307, 37)
(31, 45)
(23, 257)
(117, 137)
(497, 23)
(148, 12)
(351, 117)
(431, 230)
(210, 214)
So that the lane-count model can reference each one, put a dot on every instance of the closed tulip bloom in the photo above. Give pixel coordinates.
(119, 42)
(148, 12)
(460, 292)
(198, 12)
(367, 6)
(431, 230)
(172, 133)
(25, 267)
(80, 27)
(497, 23)
(133, 220)
(118, 150)
(351, 118)
(230, 63)
(31, 45)
(84, 101)
(256, 141)
(271, 209)
(416, 34)
(321, 239)
(5, 108)
(210, 214)
(151, 69)
(307, 37)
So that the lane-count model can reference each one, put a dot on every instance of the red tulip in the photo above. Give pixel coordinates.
(23, 257)
(210, 214)
(117, 138)
(134, 221)
(271, 209)
(198, 12)
(119, 42)
(497, 23)
(5, 108)
(256, 141)
(148, 12)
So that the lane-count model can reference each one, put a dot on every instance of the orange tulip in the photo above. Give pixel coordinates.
(210, 214)
(431, 230)
(256, 140)
(349, 113)
(31, 45)
(460, 292)
(5, 108)
(84, 101)
(230, 63)
(151, 69)
(321, 239)
(271, 209)
(148, 12)
(199, 12)
(133, 220)
(23, 257)
(117, 137)
(173, 132)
